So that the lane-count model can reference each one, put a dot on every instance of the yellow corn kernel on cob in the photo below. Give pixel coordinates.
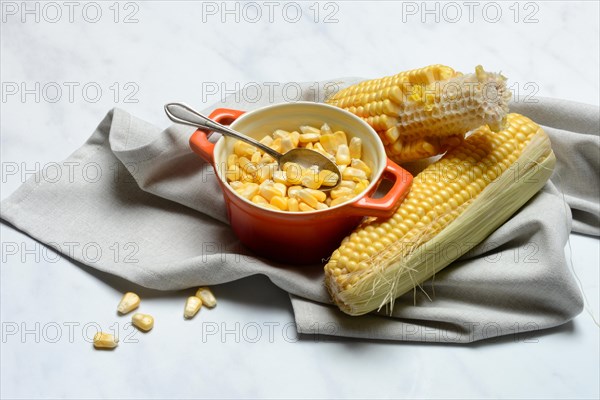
(207, 297)
(192, 306)
(414, 149)
(461, 198)
(412, 110)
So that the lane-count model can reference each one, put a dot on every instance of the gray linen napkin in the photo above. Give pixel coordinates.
(143, 192)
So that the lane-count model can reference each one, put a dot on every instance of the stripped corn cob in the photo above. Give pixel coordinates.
(414, 111)
(460, 199)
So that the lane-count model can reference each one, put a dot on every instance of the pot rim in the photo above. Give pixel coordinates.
(375, 175)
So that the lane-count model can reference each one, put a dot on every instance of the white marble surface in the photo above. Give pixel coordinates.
(168, 54)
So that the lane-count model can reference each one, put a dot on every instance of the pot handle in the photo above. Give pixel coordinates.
(385, 206)
(199, 139)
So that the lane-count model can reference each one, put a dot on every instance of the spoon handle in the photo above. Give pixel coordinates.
(184, 114)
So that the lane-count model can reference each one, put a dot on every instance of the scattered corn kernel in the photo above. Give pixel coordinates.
(308, 137)
(258, 199)
(232, 160)
(256, 157)
(325, 129)
(360, 186)
(244, 163)
(286, 144)
(266, 159)
(267, 140)
(249, 191)
(328, 178)
(309, 129)
(311, 180)
(319, 147)
(319, 195)
(354, 174)
(322, 206)
(192, 306)
(293, 190)
(342, 156)
(207, 297)
(340, 138)
(328, 143)
(280, 177)
(266, 171)
(129, 302)
(360, 164)
(144, 322)
(340, 200)
(105, 341)
(341, 191)
(306, 197)
(280, 134)
(237, 185)
(233, 173)
(295, 138)
(348, 184)
(305, 207)
(247, 178)
(293, 173)
(280, 202)
(281, 188)
(276, 145)
(293, 204)
(267, 190)
(243, 149)
(355, 148)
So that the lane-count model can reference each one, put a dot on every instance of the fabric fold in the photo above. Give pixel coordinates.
(145, 191)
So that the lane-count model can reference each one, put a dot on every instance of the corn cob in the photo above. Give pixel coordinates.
(414, 110)
(454, 204)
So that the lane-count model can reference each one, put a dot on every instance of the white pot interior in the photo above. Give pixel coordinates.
(290, 116)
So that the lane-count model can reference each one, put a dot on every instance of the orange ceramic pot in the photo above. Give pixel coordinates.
(301, 237)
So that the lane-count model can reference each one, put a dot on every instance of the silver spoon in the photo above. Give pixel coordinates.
(184, 114)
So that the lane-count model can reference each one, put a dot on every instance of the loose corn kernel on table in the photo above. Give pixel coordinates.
(248, 335)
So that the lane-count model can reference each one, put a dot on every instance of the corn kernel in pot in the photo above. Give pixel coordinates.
(256, 176)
